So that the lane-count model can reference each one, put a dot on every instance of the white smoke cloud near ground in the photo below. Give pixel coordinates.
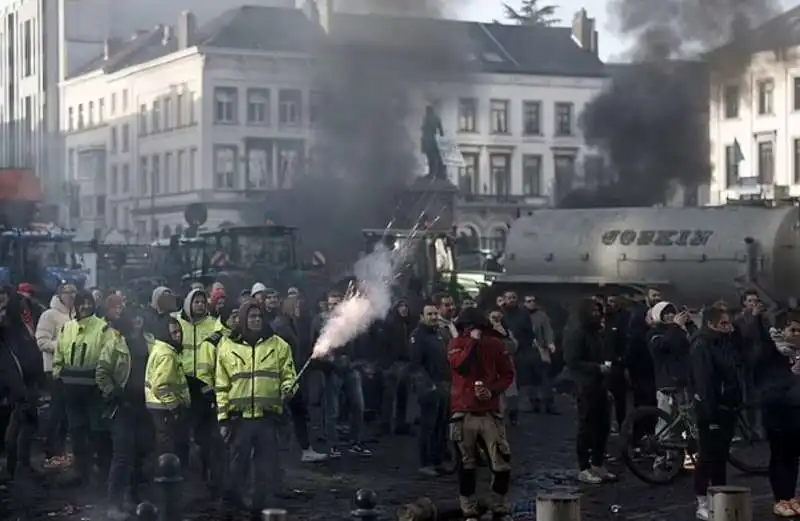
(372, 301)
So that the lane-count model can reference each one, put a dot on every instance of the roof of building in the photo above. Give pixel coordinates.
(493, 47)
(775, 34)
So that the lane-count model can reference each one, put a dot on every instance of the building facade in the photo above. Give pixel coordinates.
(175, 116)
(754, 118)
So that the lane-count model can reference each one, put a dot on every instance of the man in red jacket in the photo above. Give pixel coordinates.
(481, 371)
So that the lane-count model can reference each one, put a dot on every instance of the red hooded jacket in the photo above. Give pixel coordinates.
(485, 360)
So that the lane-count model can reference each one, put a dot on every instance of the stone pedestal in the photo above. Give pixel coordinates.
(432, 198)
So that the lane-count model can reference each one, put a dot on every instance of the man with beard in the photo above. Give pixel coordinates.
(166, 395)
(198, 365)
(447, 310)
(588, 361)
(75, 364)
(395, 362)
(255, 376)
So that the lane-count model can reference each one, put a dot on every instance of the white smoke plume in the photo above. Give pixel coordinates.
(371, 302)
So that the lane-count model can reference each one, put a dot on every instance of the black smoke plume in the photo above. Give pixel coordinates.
(372, 78)
(652, 120)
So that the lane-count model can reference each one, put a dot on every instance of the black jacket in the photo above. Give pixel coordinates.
(585, 351)
(429, 356)
(21, 366)
(669, 344)
(616, 335)
(519, 323)
(715, 378)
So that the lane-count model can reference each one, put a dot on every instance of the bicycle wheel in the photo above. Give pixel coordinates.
(749, 450)
(656, 457)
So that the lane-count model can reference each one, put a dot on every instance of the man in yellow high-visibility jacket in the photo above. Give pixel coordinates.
(255, 376)
(78, 349)
(198, 365)
(166, 392)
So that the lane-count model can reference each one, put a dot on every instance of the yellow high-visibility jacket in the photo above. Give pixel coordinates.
(197, 362)
(208, 351)
(253, 380)
(165, 386)
(78, 349)
(114, 365)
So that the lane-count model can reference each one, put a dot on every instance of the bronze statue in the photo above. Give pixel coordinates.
(431, 128)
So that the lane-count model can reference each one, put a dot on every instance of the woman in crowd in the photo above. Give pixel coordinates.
(777, 377)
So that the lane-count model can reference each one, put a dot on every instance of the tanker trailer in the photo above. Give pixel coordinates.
(695, 255)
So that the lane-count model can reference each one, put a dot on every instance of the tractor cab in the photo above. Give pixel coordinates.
(269, 248)
(42, 255)
(173, 257)
(431, 257)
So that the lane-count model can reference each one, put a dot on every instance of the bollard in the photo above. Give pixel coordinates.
(146, 511)
(366, 503)
(274, 514)
(558, 507)
(730, 504)
(169, 479)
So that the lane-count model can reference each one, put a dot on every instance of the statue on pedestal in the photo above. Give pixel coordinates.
(431, 129)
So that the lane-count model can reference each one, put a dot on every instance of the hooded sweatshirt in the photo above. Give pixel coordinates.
(50, 324)
(195, 331)
(669, 344)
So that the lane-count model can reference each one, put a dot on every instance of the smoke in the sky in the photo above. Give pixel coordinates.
(371, 77)
(652, 120)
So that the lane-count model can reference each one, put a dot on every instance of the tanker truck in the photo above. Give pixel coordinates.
(694, 255)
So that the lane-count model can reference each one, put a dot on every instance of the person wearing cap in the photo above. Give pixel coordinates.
(268, 299)
(47, 331)
(218, 299)
(75, 363)
(163, 302)
(198, 365)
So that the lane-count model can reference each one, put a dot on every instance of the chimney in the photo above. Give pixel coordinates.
(319, 12)
(584, 33)
(110, 46)
(187, 26)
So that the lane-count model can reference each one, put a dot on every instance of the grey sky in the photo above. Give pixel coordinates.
(611, 45)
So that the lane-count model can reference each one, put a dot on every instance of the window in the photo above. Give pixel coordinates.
(71, 164)
(531, 118)
(468, 174)
(155, 117)
(126, 138)
(766, 163)
(126, 178)
(224, 167)
(80, 116)
(125, 100)
(144, 172)
(91, 114)
(142, 120)
(168, 113)
(225, 105)
(467, 115)
(731, 100)
(500, 174)
(288, 165)
(796, 93)
(259, 168)
(179, 110)
(155, 177)
(114, 218)
(179, 160)
(192, 166)
(190, 107)
(498, 114)
(114, 179)
(101, 110)
(101, 205)
(290, 103)
(258, 106)
(532, 175)
(314, 106)
(113, 108)
(564, 171)
(27, 48)
(564, 119)
(113, 145)
(731, 165)
(70, 119)
(766, 90)
(169, 181)
(796, 161)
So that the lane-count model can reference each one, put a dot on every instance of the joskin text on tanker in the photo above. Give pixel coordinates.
(657, 237)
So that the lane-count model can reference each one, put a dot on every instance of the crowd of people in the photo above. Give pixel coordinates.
(219, 373)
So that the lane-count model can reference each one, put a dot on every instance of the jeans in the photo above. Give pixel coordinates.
(594, 423)
(349, 383)
(784, 458)
(712, 461)
(253, 441)
(394, 409)
(433, 424)
(87, 429)
(55, 427)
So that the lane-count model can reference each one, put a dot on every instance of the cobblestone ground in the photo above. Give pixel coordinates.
(543, 448)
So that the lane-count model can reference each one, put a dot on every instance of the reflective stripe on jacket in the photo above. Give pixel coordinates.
(198, 362)
(253, 380)
(80, 343)
(165, 385)
(208, 351)
(114, 365)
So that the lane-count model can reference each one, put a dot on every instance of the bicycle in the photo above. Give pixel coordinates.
(670, 440)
